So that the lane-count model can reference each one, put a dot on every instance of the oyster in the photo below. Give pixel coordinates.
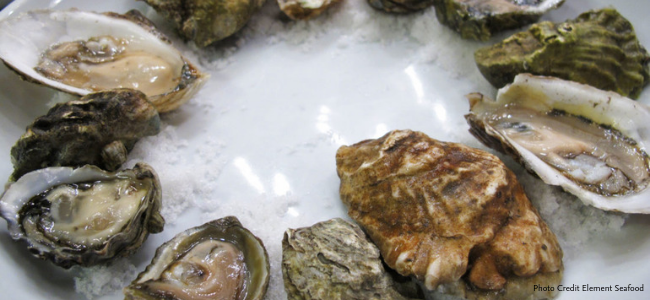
(83, 216)
(82, 52)
(590, 142)
(218, 260)
(479, 19)
(598, 48)
(207, 21)
(453, 217)
(305, 9)
(98, 129)
(334, 260)
(400, 6)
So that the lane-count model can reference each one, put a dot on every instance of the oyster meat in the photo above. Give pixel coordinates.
(453, 217)
(305, 9)
(218, 260)
(334, 260)
(479, 19)
(590, 142)
(98, 129)
(207, 21)
(599, 48)
(83, 216)
(82, 52)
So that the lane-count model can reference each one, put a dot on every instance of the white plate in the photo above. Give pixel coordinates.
(259, 140)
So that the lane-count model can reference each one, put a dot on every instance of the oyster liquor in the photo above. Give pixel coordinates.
(589, 288)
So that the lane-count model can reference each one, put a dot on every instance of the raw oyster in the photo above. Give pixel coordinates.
(98, 129)
(83, 216)
(334, 260)
(479, 19)
(218, 260)
(82, 52)
(598, 48)
(453, 217)
(590, 142)
(305, 9)
(207, 21)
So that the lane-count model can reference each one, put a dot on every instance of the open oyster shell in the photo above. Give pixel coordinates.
(207, 21)
(218, 260)
(598, 48)
(81, 52)
(590, 142)
(83, 216)
(98, 129)
(479, 19)
(305, 9)
(334, 260)
(453, 217)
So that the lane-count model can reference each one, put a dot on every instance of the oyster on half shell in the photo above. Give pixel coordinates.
(81, 52)
(218, 260)
(83, 216)
(590, 142)
(453, 217)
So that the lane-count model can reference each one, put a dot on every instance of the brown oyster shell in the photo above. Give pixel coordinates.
(451, 216)
(302, 10)
(98, 129)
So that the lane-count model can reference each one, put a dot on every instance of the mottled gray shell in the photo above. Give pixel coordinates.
(206, 21)
(19, 202)
(98, 129)
(334, 260)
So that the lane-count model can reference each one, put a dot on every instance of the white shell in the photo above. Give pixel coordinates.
(25, 37)
(629, 117)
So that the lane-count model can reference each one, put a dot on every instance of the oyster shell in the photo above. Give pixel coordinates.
(305, 9)
(453, 217)
(479, 19)
(218, 260)
(83, 216)
(81, 52)
(98, 129)
(207, 21)
(400, 6)
(598, 48)
(590, 142)
(334, 260)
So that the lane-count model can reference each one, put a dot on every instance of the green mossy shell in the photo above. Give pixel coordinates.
(598, 48)
(479, 19)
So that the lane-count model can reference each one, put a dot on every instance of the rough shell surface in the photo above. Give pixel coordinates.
(25, 37)
(197, 276)
(305, 10)
(17, 205)
(479, 19)
(207, 21)
(599, 48)
(607, 109)
(334, 260)
(98, 129)
(448, 215)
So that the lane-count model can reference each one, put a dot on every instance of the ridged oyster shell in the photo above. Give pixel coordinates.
(479, 19)
(334, 259)
(98, 129)
(217, 260)
(599, 48)
(453, 217)
(590, 142)
(26, 37)
(83, 216)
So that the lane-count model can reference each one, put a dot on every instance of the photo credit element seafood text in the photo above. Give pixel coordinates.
(589, 288)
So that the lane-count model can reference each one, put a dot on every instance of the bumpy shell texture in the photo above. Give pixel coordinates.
(334, 260)
(207, 21)
(98, 129)
(43, 223)
(599, 48)
(479, 19)
(197, 263)
(453, 217)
